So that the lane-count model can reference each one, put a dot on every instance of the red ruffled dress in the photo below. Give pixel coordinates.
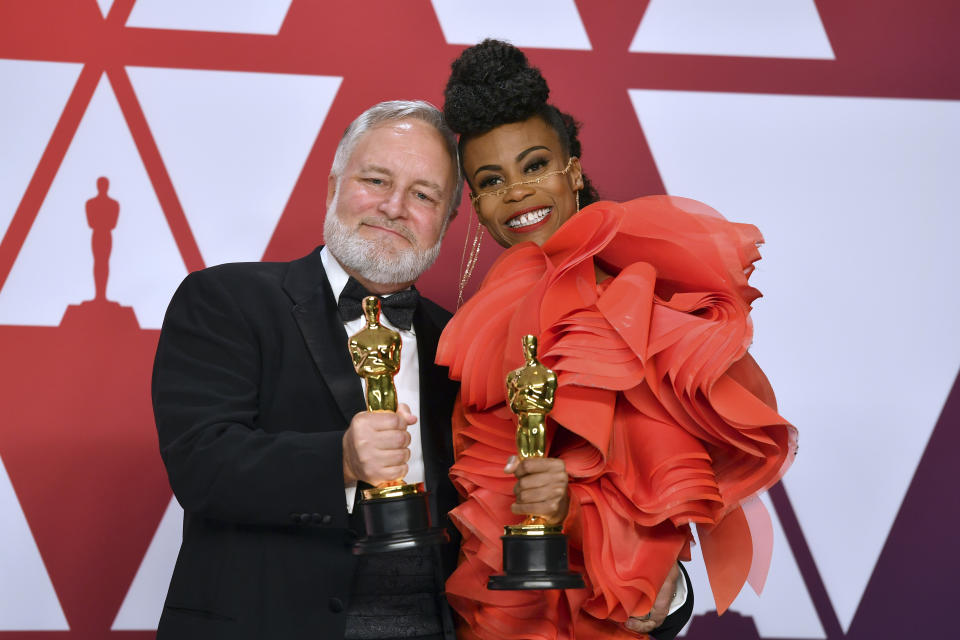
(660, 416)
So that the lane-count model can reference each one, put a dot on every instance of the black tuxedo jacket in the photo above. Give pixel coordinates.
(253, 389)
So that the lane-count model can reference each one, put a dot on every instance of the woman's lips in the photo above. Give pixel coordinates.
(529, 219)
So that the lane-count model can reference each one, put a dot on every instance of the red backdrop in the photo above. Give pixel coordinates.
(834, 126)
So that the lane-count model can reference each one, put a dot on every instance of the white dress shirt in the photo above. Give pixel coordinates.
(407, 379)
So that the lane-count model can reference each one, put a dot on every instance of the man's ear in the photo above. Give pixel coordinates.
(331, 188)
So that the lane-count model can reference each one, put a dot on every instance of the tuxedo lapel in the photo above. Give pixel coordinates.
(315, 311)
(435, 405)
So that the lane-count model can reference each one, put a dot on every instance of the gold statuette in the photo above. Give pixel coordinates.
(396, 515)
(375, 351)
(531, 390)
(534, 552)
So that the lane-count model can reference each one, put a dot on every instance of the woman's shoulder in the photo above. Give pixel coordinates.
(689, 243)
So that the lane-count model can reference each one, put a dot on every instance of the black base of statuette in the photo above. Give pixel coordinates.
(535, 562)
(395, 524)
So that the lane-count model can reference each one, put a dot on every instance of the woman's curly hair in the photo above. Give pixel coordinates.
(492, 84)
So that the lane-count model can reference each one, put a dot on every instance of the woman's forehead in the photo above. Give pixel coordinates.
(506, 142)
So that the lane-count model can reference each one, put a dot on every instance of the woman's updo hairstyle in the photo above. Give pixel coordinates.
(492, 84)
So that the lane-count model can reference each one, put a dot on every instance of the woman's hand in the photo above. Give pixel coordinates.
(541, 488)
(661, 606)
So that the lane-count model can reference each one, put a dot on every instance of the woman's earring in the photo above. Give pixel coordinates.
(466, 270)
(578, 200)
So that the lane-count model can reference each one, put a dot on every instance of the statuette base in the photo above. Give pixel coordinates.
(397, 522)
(534, 559)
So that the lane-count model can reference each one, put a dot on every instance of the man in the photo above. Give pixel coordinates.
(262, 421)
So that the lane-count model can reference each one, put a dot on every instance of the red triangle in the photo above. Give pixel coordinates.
(78, 440)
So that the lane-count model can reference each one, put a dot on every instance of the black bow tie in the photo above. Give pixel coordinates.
(398, 307)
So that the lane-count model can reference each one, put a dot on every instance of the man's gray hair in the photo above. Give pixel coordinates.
(399, 110)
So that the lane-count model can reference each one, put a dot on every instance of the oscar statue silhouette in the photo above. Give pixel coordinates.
(102, 215)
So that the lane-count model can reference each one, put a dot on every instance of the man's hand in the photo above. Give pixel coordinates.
(541, 487)
(661, 606)
(375, 446)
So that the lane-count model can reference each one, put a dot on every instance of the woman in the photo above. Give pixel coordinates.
(661, 419)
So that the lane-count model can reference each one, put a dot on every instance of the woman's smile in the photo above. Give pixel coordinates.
(529, 219)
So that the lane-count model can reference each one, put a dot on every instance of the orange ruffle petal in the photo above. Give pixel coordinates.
(727, 553)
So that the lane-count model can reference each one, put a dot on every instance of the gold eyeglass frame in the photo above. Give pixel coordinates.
(499, 193)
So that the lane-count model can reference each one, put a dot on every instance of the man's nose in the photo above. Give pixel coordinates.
(393, 205)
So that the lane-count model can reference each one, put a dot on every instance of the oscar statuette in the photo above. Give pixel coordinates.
(395, 513)
(534, 552)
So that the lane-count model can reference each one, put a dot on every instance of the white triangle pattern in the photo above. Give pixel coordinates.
(28, 116)
(784, 584)
(105, 6)
(548, 24)
(757, 28)
(55, 266)
(231, 16)
(27, 599)
(144, 600)
(856, 199)
(234, 144)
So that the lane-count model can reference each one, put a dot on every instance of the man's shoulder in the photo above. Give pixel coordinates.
(242, 272)
(235, 280)
(251, 275)
(255, 286)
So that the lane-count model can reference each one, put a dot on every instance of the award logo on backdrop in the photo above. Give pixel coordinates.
(102, 215)
(144, 139)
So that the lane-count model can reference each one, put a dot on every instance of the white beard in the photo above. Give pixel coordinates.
(373, 261)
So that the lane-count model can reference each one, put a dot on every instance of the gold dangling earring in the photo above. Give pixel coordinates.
(578, 200)
(466, 270)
